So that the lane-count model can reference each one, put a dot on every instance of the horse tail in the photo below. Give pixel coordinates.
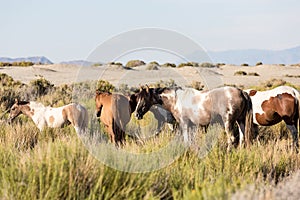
(248, 120)
(119, 133)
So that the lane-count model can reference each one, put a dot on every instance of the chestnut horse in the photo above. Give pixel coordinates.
(192, 107)
(272, 106)
(45, 116)
(114, 111)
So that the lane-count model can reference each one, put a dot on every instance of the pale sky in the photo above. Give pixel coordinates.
(65, 30)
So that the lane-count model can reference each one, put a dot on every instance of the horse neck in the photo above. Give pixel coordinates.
(168, 101)
(36, 108)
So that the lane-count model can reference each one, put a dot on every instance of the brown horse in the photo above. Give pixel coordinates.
(114, 111)
(273, 106)
(192, 107)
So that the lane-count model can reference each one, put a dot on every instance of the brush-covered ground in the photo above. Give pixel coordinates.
(55, 163)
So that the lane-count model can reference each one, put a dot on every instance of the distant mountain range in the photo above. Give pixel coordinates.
(78, 62)
(252, 56)
(35, 59)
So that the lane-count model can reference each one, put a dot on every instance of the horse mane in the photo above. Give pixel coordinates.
(21, 103)
(161, 90)
(37, 104)
(99, 92)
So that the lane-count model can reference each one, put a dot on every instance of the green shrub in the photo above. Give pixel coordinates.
(245, 64)
(104, 86)
(259, 63)
(40, 86)
(134, 63)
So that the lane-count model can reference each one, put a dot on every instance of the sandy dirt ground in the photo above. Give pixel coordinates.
(210, 77)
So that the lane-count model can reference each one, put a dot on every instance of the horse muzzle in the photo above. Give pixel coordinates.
(138, 116)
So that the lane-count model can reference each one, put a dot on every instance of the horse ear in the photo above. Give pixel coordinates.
(16, 101)
(147, 88)
(141, 88)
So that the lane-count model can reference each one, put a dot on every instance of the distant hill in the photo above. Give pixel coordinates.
(78, 62)
(252, 56)
(35, 59)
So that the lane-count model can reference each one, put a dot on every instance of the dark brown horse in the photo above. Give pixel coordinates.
(192, 107)
(273, 106)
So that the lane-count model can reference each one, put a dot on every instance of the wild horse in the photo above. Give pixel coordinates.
(193, 107)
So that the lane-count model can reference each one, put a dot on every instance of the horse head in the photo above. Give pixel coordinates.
(99, 103)
(17, 108)
(145, 98)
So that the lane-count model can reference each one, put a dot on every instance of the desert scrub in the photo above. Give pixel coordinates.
(220, 64)
(272, 83)
(17, 64)
(190, 64)
(97, 64)
(40, 86)
(245, 64)
(196, 85)
(259, 63)
(253, 74)
(240, 73)
(105, 86)
(162, 83)
(152, 66)
(134, 63)
(207, 65)
(58, 166)
(168, 65)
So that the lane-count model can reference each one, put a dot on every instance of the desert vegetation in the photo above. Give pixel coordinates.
(55, 163)
(17, 64)
(243, 73)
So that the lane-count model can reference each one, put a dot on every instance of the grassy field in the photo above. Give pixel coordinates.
(57, 164)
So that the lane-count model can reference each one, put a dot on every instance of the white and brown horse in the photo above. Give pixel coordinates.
(193, 107)
(114, 111)
(45, 116)
(272, 106)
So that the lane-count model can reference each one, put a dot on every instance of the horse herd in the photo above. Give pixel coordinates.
(186, 106)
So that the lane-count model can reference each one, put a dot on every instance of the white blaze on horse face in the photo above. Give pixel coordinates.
(261, 96)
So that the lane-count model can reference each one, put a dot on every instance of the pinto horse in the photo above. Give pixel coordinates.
(272, 106)
(45, 116)
(193, 107)
(114, 111)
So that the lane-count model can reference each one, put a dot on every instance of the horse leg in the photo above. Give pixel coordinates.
(241, 127)
(111, 133)
(184, 129)
(228, 130)
(294, 131)
(160, 124)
